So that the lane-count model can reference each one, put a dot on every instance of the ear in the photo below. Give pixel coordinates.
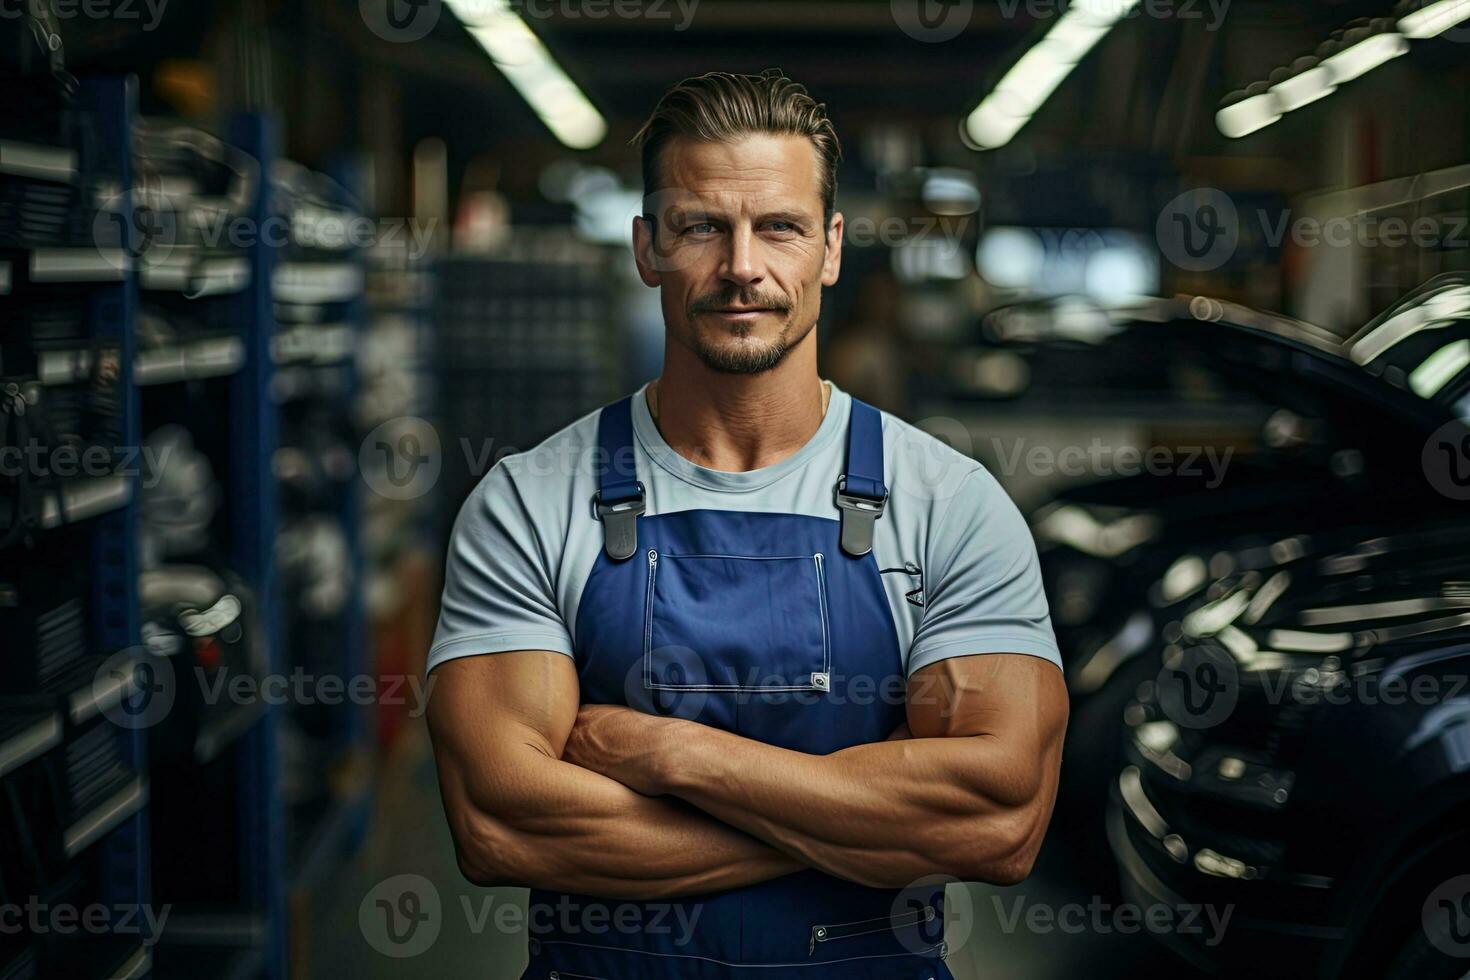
(643, 255)
(832, 262)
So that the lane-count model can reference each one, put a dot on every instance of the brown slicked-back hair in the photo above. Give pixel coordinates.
(719, 107)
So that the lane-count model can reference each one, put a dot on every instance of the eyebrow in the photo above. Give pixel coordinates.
(784, 214)
(791, 216)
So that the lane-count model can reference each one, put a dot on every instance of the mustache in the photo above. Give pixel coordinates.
(738, 297)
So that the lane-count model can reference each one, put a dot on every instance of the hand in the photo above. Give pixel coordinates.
(622, 744)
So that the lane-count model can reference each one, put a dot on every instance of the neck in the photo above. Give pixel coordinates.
(739, 422)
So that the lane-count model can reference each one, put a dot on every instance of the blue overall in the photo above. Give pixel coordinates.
(763, 625)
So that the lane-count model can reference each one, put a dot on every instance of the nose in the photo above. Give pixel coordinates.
(742, 265)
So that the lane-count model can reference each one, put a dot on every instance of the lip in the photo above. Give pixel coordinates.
(742, 313)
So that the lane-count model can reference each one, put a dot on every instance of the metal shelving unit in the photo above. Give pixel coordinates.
(82, 805)
(259, 857)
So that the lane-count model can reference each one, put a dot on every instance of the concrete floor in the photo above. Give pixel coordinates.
(472, 932)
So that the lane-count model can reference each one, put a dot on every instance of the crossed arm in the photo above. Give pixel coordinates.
(610, 801)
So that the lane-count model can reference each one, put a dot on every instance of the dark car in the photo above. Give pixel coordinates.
(1297, 728)
(1302, 756)
(1322, 432)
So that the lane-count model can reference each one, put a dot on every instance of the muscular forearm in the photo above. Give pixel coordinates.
(522, 814)
(550, 824)
(883, 814)
(969, 794)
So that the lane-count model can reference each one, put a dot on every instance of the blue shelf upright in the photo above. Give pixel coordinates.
(253, 518)
(113, 103)
(356, 731)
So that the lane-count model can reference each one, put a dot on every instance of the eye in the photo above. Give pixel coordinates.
(782, 226)
(700, 228)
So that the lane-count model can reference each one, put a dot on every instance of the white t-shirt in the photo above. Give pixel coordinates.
(956, 559)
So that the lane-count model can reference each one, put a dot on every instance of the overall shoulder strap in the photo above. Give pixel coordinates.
(861, 494)
(620, 497)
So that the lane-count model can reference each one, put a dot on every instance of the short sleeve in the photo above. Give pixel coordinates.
(982, 581)
(498, 590)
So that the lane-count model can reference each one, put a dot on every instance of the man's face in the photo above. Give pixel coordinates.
(739, 253)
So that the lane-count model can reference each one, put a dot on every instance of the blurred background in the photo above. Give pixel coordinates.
(279, 282)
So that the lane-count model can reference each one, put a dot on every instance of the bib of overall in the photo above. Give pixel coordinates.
(775, 627)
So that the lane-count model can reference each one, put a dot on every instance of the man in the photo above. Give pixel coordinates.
(761, 652)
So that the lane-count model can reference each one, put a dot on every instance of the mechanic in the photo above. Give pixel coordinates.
(761, 650)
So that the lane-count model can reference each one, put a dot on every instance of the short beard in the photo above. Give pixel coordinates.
(740, 359)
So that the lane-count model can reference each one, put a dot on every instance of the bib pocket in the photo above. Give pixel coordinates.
(736, 623)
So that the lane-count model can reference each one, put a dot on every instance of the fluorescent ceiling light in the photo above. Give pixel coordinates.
(1362, 48)
(1074, 38)
(1434, 19)
(534, 73)
(1248, 115)
(1303, 88)
(1032, 80)
(989, 127)
(1366, 55)
(1104, 11)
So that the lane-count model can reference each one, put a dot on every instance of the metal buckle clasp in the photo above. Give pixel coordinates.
(620, 523)
(858, 516)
